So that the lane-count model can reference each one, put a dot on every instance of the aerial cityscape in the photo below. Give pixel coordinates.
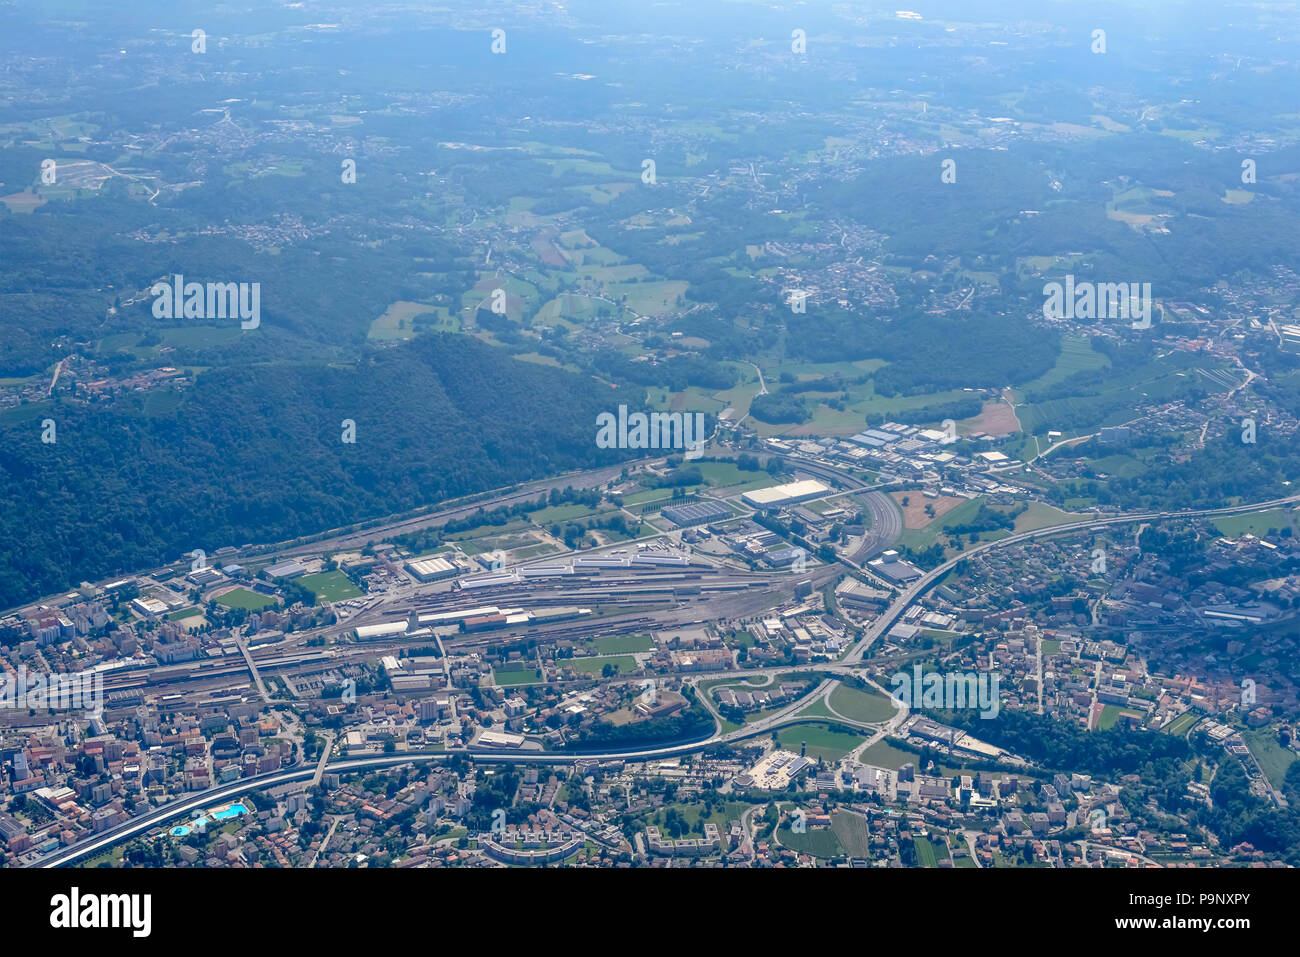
(593, 435)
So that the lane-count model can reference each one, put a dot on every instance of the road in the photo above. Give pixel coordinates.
(788, 714)
(252, 668)
(216, 795)
(1092, 703)
(325, 841)
(923, 584)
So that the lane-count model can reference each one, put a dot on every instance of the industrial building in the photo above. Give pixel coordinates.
(380, 631)
(695, 513)
(500, 739)
(489, 581)
(431, 569)
(150, 607)
(779, 496)
(375, 632)
(545, 571)
(286, 569)
(781, 557)
(890, 566)
(873, 438)
(204, 576)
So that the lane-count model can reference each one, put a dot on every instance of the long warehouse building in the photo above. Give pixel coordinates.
(779, 496)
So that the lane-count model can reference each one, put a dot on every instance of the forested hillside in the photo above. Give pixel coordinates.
(256, 454)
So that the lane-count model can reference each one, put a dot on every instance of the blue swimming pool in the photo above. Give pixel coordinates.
(201, 821)
(229, 811)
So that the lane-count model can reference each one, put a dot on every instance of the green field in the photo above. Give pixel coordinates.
(563, 513)
(330, 586)
(1039, 515)
(198, 337)
(922, 538)
(693, 814)
(1110, 715)
(1166, 379)
(191, 612)
(820, 842)
(1076, 355)
(823, 741)
(727, 475)
(851, 829)
(510, 677)
(742, 639)
(621, 644)
(399, 321)
(626, 664)
(1259, 524)
(484, 531)
(243, 598)
(1181, 723)
(1272, 757)
(929, 852)
(648, 495)
(882, 754)
(818, 709)
(861, 705)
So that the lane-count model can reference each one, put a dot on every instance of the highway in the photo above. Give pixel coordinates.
(788, 714)
(224, 792)
(312, 772)
(923, 584)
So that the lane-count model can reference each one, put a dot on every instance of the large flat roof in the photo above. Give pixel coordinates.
(805, 488)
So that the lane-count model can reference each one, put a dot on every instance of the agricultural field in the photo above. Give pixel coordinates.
(402, 320)
(1259, 524)
(929, 852)
(1041, 515)
(922, 538)
(727, 475)
(1077, 355)
(851, 829)
(1166, 379)
(565, 513)
(915, 514)
(820, 842)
